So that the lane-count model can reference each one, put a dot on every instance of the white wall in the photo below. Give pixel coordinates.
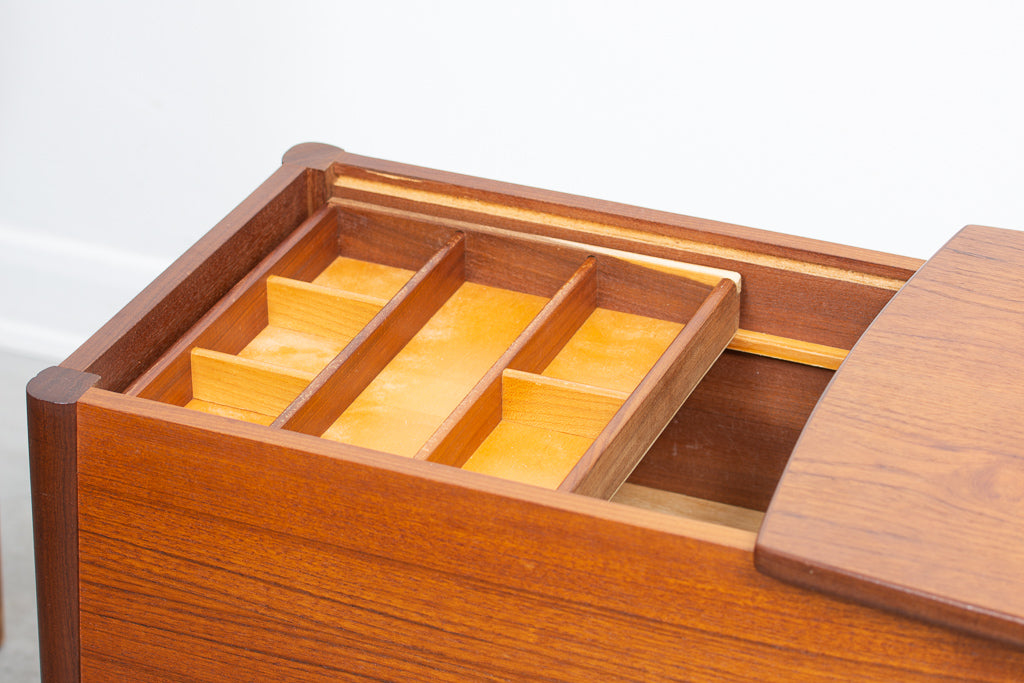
(128, 129)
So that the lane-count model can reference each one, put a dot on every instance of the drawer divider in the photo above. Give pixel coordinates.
(253, 385)
(322, 311)
(618, 449)
(474, 418)
(352, 370)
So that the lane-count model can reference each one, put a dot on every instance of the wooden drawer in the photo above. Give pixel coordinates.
(395, 423)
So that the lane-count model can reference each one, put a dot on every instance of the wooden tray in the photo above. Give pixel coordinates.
(527, 358)
(214, 496)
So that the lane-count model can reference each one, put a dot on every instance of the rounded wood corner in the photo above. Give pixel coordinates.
(315, 155)
(59, 385)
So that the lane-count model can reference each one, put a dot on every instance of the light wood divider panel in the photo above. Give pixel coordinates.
(558, 404)
(227, 411)
(320, 311)
(248, 385)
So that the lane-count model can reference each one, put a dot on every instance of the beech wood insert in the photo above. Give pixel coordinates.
(528, 360)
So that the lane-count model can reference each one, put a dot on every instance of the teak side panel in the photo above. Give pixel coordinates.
(212, 553)
(732, 438)
(53, 459)
(905, 489)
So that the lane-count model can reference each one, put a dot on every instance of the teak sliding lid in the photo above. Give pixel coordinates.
(906, 489)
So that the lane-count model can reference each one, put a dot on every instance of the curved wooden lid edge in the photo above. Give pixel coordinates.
(906, 489)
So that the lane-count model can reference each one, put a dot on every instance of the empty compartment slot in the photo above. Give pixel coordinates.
(414, 393)
(363, 277)
(613, 349)
(308, 325)
(546, 426)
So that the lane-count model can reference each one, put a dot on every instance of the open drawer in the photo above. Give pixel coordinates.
(347, 433)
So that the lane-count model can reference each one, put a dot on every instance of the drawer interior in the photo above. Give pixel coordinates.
(436, 369)
(529, 359)
(308, 324)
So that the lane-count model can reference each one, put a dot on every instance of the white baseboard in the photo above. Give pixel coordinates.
(58, 291)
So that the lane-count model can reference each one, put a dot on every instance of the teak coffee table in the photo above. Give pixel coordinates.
(392, 423)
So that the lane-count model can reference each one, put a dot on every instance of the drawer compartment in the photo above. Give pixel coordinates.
(405, 350)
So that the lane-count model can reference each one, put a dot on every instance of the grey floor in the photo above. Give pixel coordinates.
(19, 650)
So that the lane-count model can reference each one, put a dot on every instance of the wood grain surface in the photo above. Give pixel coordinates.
(688, 506)
(613, 350)
(53, 460)
(351, 371)
(732, 438)
(802, 352)
(906, 490)
(435, 370)
(470, 423)
(290, 349)
(363, 277)
(557, 404)
(216, 552)
(354, 174)
(812, 291)
(318, 310)
(247, 384)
